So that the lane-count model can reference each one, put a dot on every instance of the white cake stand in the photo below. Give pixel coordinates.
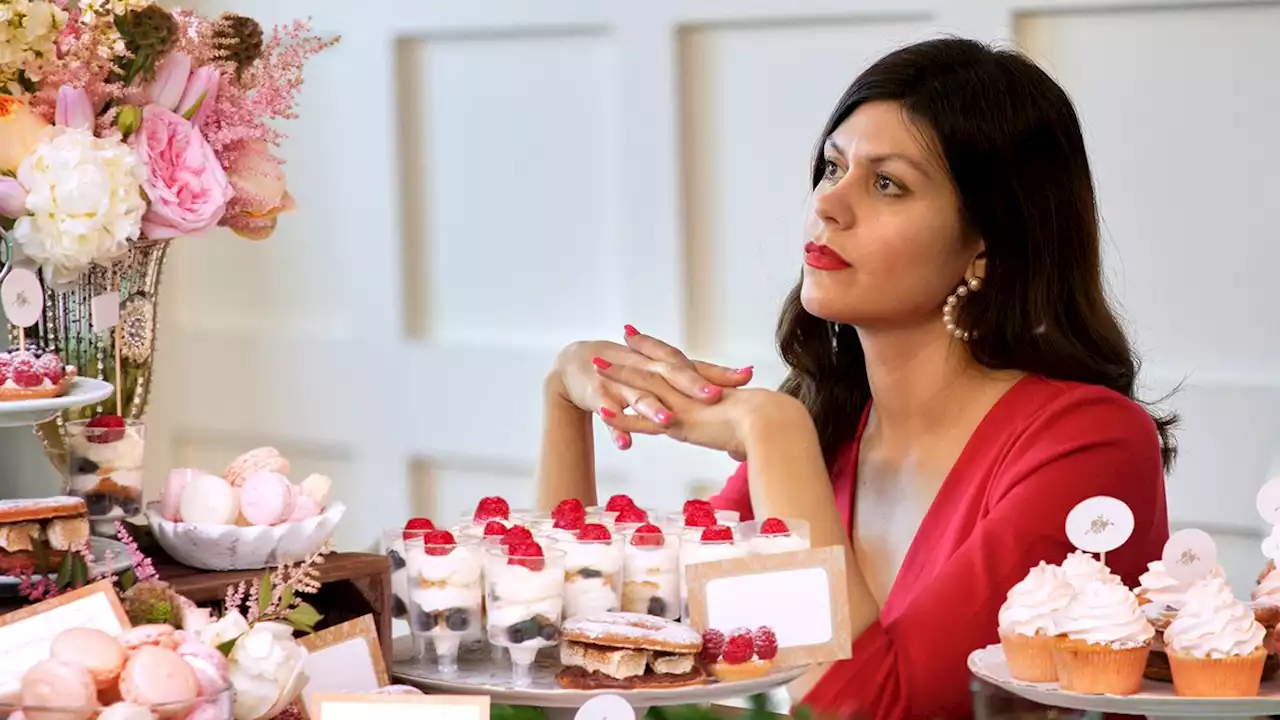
(1156, 699)
(83, 391)
(480, 674)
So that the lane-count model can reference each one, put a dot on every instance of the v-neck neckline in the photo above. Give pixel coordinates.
(912, 563)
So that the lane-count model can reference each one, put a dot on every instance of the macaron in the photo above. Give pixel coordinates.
(149, 635)
(208, 500)
(317, 487)
(54, 683)
(171, 493)
(158, 676)
(263, 459)
(94, 650)
(126, 711)
(266, 498)
(209, 665)
(304, 508)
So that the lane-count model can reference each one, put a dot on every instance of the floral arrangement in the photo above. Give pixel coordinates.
(122, 122)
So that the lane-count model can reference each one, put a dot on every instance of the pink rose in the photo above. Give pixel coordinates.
(261, 194)
(187, 190)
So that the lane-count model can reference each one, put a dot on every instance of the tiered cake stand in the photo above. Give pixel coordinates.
(482, 672)
(1155, 701)
(28, 413)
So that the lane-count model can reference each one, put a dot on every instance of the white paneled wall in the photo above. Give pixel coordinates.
(481, 182)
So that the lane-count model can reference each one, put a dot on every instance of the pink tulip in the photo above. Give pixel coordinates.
(13, 198)
(199, 95)
(74, 109)
(171, 80)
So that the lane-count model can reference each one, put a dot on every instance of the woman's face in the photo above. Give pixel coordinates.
(885, 242)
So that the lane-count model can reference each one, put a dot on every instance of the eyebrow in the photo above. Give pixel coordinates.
(881, 158)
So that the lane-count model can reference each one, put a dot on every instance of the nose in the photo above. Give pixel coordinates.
(832, 209)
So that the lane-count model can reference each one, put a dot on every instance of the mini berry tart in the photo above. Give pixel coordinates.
(33, 374)
(743, 655)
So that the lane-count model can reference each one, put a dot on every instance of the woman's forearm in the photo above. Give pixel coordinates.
(566, 465)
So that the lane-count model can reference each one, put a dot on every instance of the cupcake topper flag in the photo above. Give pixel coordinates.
(1189, 555)
(23, 300)
(1099, 525)
(1269, 509)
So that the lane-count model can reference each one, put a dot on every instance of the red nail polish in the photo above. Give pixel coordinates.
(664, 417)
(631, 330)
(601, 363)
(606, 412)
(711, 390)
(622, 441)
(745, 371)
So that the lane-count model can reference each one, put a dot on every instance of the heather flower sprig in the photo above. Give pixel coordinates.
(140, 565)
(274, 597)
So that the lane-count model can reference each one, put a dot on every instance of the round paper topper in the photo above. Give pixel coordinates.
(606, 707)
(22, 297)
(1099, 524)
(1271, 545)
(1190, 555)
(1269, 501)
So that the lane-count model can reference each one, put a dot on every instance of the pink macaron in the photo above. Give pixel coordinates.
(266, 498)
(94, 650)
(150, 635)
(157, 676)
(56, 683)
(171, 493)
(304, 508)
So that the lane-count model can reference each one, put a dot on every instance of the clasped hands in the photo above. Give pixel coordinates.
(666, 392)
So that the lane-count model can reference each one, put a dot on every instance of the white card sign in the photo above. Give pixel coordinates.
(1271, 545)
(339, 706)
(22, 296)
(1100, 524)
(105, 310)
(606, 707)
(1190, 555)
(1269, 501)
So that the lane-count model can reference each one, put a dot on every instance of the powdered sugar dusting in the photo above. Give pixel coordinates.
(632, 626)
(63, 503)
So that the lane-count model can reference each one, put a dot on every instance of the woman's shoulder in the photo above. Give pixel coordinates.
(1041, 408)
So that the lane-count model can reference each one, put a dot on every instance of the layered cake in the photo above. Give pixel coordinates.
(32, 527)
(628, 651)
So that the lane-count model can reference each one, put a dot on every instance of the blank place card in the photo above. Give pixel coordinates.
(345, 658)
(338, 706)
(802, 596)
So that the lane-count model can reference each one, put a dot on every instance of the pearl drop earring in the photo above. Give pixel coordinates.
(973, 284)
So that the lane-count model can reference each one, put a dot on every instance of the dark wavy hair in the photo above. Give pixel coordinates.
(1011, 140)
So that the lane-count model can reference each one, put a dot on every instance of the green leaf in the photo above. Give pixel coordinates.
(126, 579)
(286, 597)
(304, 617)
(516, 712)
(79, 572)
(42, 557)
(191, 112)
(264, 592)
(64, 571)
(225, 648)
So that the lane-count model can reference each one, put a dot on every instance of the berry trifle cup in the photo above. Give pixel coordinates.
(696, 512)
(775, 535)
(489, 509)
(592, 570)
(104, 467)
(524, 596)
(651, 572)
(715, 543)
(393, 540)
(445, 592)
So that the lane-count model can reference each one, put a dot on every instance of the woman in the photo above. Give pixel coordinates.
(957, 379)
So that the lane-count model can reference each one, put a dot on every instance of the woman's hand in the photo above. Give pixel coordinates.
(580, 383)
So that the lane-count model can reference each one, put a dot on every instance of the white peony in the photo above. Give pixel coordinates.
(85, 197)
(228, 627)
(266, 670)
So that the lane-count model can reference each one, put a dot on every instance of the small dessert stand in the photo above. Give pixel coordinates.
(480, 674)
(1156, 699)
(25, 413)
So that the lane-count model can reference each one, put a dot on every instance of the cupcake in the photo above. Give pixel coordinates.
(1081, 568)
(1161, 596)
(1214, 644)
(1027, 622)
(1103, 640)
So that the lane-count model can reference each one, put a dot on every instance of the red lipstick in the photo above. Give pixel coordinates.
(821, 257)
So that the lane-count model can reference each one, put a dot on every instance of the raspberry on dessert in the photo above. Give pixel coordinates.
(696, 503)
(570, 522)
(416, 528)
(439, 542)
(5, 362)
(495, 528)
(112, 427)
(739, 648)
(712, 646)
(516, 534)
(766, 643)
(632, 515)
(569, 509)
(774, 526)
(648, 535)
(491, 508)
(526, 554)
(717, 533)
(618, 502)
(700, 517)
(594, 532)
(51, 368)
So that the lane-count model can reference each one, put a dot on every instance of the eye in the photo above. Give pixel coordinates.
(830, 170)
(886, 185)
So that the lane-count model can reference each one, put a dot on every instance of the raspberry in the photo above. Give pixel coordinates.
(569, 508)
(712, 646)
(439, 542)
(648, 535)
(739, 648)
(5, 362)
(570, 522)
(111, 429)
(416, 528)
(594, 533)
(491, 508)
(700, 517)
(527, 554)
(717, 533)
(494, 528)
(632, 515)
(696, 503)
(515, 535)
(22, 370)
(50, 367)
(766, 643)
(774, 526)
(618, 502)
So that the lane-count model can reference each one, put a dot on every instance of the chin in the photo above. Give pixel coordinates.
(822, 304)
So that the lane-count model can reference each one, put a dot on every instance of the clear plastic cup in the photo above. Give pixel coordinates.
(525, 601)
(446, 589)
(694, 549)
(775, 535)
(651, 574)
(592, 571)
(104, 467)
(393, 547)
(731, 518)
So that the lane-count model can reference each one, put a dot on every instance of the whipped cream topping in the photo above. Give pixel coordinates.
(519, 584)
(605, 557)
(462, 566)
(1164, 592)
(127, 452)
(652, 560)
(446, 597)
(693, 552)
(1268, 591)
(1105, 612)
(1032, 606)
(1213, 623)
(9, 384)
(770, 544)
(1082, 568)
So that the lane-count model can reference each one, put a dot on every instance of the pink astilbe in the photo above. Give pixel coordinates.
(85, 59)
(143, 570)
(35, 587)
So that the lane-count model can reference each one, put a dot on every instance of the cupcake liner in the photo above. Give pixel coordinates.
(1235, 676)
(1099, 669)
(1030, 657)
